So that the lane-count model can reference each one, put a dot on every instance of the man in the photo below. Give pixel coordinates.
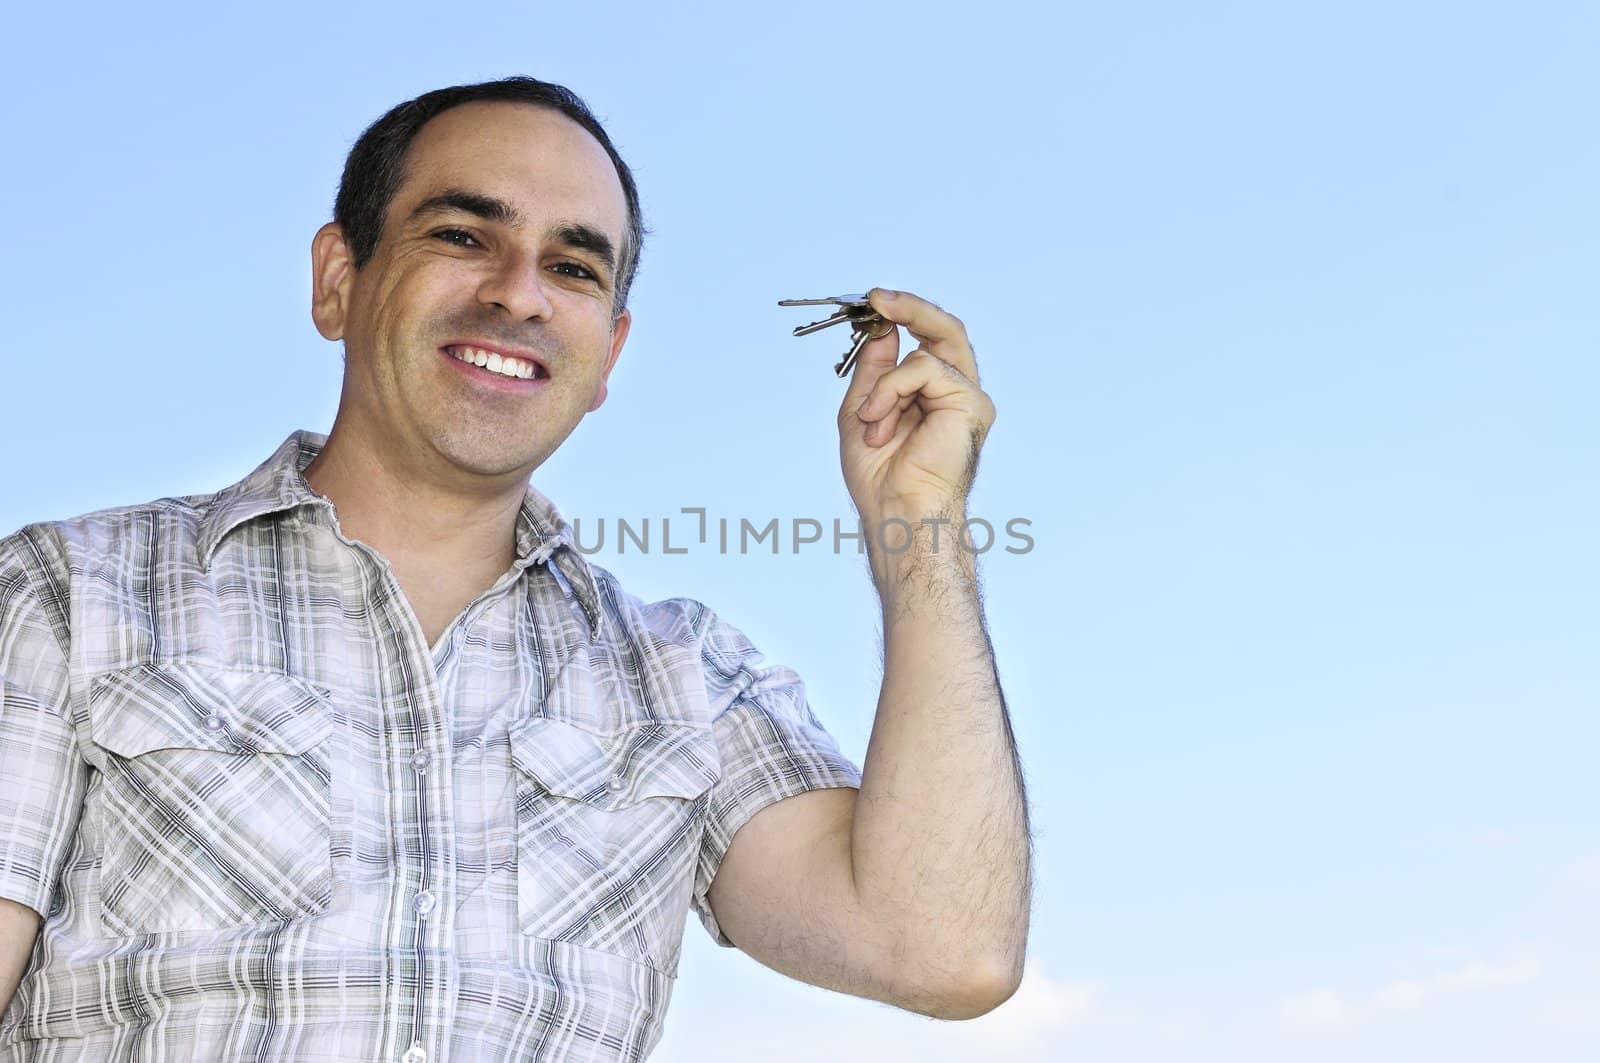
(359, 758)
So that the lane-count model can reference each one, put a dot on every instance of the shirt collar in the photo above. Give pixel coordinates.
(277, 485)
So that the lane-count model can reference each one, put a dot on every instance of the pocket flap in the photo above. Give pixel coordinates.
(663, 759)
(177, 706)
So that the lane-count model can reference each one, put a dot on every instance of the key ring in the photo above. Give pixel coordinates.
(866, 324)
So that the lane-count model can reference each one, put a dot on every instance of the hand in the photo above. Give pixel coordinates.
(909, 434)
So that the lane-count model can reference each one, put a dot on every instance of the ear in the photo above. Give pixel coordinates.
(332, 272)
(619, 335)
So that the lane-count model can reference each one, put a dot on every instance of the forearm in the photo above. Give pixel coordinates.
(19, 926)
(940, 840)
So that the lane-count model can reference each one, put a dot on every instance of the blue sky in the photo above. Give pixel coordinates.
(1289, 316)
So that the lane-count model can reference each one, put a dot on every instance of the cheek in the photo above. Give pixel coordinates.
(414, 307)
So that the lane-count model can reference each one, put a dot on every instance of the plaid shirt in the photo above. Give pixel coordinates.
(265, 821)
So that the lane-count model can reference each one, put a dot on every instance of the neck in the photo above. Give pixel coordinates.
(412, 514)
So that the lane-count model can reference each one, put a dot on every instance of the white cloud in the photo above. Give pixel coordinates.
(1487, 974)
(1323, 1007)
(1410, 994)
(1585, 871)
(1327, 1007)
(1404, 995)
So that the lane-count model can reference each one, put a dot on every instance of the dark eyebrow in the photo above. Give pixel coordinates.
(573, 234)
(586, 238)
(488, 208)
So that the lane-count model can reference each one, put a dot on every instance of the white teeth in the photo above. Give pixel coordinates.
(495, 363)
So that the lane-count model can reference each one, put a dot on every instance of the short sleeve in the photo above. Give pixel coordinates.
(42, 773)
(770, 743)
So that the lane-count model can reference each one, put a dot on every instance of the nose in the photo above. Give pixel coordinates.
(516, 285)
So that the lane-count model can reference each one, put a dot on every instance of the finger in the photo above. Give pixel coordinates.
(881, 431)
(937, 330)
(874, 433)
(920, 375)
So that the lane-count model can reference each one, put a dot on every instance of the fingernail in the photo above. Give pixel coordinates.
(888, 293)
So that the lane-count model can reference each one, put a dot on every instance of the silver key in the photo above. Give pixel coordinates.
(840, 300)
(866, 324)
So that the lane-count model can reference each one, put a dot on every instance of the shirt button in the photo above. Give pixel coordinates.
(420, 762)
(423, 902)
(616, 782)
(415, 1054)
(213, 723)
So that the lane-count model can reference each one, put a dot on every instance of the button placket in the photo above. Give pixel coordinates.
(421, 904)
(424, 901)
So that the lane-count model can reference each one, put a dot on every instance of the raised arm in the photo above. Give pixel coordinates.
(917, 890)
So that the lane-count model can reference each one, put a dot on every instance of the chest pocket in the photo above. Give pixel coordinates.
(215, 807)
(608, 831)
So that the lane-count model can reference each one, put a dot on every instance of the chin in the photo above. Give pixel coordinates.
(489, 457)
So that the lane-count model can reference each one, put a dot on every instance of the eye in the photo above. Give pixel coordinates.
(583, 272)
(447, 234)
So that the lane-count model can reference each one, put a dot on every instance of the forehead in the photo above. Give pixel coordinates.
(537, 159)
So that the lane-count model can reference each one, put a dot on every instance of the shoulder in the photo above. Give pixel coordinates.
(45, 564)
(108, 531)
(679, 620)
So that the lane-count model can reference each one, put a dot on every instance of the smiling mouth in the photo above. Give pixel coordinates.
(504, 365)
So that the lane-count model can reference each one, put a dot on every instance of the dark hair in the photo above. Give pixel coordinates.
(375, 166)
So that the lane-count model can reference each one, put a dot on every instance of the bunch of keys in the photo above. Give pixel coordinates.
(866, 324)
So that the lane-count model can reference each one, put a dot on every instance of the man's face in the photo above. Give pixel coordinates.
(505, 235)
